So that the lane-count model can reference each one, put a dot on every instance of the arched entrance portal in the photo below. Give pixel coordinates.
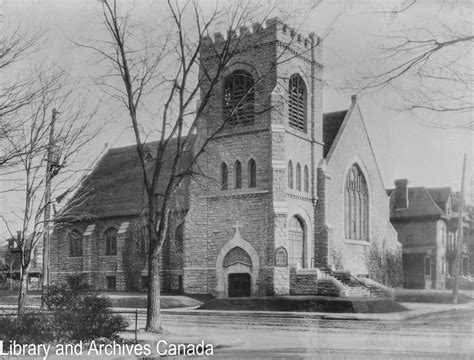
(296, 243)
(238, 265)
(237, 268)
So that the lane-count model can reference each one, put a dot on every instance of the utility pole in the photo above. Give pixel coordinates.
(459, 238)
(47, 208)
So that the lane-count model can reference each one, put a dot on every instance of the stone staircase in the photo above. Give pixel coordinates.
(338, 283)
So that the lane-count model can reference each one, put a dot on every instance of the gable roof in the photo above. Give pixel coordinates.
(440, 195)
(331, 124)
(115, 187)
(420, 204)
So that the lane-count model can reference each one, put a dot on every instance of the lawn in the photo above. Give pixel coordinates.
(306, 304)
(119, 300)
(430, 296)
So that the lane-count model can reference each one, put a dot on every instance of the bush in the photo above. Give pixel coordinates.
(29, 328)
(73, 315)
(82, 315)
(384, 266)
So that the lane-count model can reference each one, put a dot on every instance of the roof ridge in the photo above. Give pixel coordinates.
(434, 202)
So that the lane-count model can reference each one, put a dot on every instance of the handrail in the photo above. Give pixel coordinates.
(352, 276)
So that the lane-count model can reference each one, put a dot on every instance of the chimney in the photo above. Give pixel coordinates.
(354, 99)
(400, 198)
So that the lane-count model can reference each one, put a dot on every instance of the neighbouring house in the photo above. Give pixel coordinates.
(10, 263)
(426, 221)
(290, 193)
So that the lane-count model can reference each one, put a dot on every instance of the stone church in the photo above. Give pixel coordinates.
(292, 197)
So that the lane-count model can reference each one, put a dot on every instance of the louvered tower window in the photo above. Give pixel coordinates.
(297, 102)
(238, 99)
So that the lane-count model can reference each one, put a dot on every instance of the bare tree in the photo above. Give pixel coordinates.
(58, 105)
(18, 87)
(169, 74)
(436, 59)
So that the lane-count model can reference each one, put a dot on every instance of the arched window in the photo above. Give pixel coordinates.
(238, 175)
(224, 176)
(298, 177)
(238, 98)
(297, 102)
(356, 207)
(179, 237)
(75, 243)
(296, 242)
(290, 174)
(111, 241)
(306, 179)
(252, 170)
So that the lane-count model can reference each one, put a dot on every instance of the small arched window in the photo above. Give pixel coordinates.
(306, 179)
(111, 241)
(238, 98)
(297, 102)
(224, 176)
(298, 177)
(238, 175)
(252, 171)
(356, 199)
(290, 174)
(75, 243)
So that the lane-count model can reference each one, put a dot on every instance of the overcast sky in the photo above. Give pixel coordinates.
(404, 145)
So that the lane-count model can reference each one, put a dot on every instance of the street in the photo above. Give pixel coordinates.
(446, 336)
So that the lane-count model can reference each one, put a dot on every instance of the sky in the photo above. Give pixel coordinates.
(354, 31)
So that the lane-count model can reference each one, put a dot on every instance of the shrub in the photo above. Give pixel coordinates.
(29, 328)
(384, 266)
(82, 315)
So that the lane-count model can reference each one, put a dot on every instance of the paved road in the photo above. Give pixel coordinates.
(444, 336)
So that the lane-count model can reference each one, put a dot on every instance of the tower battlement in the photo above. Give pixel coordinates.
(259, 33)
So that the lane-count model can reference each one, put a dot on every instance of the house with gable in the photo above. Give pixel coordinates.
(426, 221)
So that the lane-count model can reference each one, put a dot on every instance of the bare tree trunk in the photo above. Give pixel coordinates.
(23, 290)
(153, 319)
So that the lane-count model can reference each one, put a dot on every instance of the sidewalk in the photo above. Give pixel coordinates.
(414, 310)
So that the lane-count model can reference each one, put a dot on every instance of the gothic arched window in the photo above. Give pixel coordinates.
(290, 174)
(224, 176)
(297, 102)
(111, 241)
(306, 178)
(238, 98)
(75, 243)
(298, 177)
(238, 175)
(356, 210)
(296, 237)
(252, 171)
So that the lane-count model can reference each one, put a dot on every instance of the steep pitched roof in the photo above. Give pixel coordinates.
(420, 204)
(115, 186)
(331, 124)
(440, 195)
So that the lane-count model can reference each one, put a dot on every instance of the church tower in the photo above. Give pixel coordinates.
(251, 217)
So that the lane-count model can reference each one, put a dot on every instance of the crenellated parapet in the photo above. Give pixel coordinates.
(273, 31)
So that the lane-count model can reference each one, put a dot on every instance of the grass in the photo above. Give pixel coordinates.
(429, 296)
(119, 300)
(306, 304)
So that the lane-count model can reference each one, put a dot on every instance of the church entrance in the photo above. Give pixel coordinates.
(239, 285)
